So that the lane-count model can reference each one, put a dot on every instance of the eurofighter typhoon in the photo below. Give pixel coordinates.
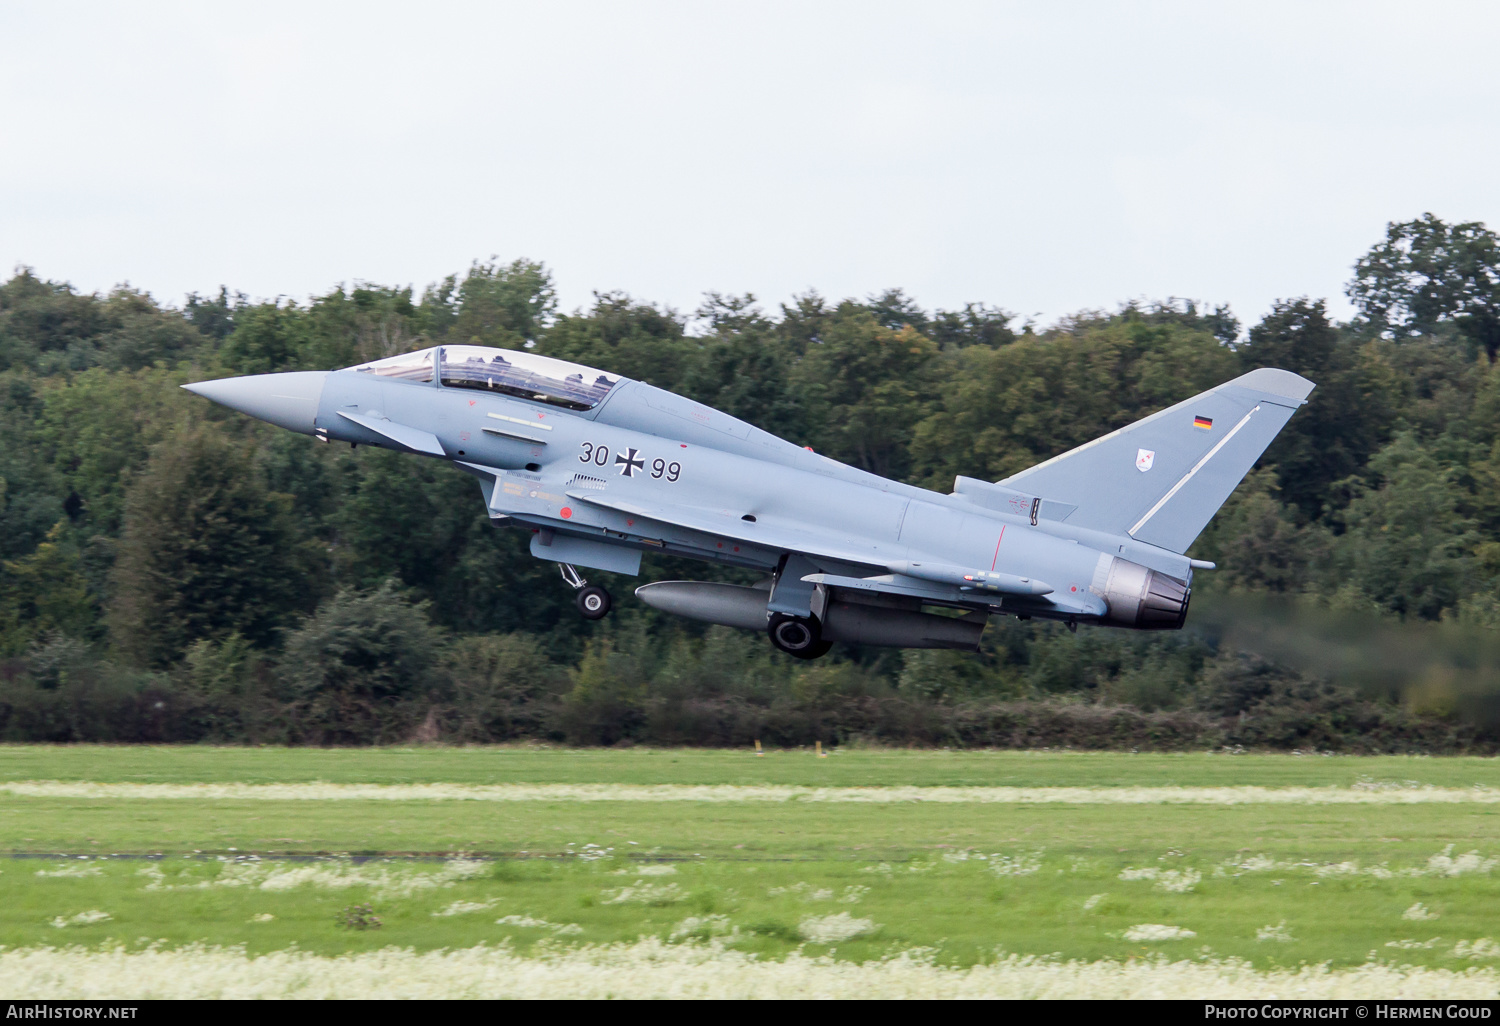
(601, 468)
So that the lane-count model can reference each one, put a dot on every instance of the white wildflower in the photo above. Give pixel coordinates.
(386, 880)
(1413, 945)
(661, 869)
(1092, 902)
(644, 893)
(883, 868)
(460, 908)
(1278, 933)
(1157, 932)
(262, 917)
(70, 870)
(1483, 948)
(464, 869)
(832, 929)
(1419, 912)
(1444, 863)
(853, 894)
(1164, 795)
(700, 926)
(1178, 881)
(1016, 865)
(1257, 864)
(531, 923)
(88, 918)
(1173, 881)
(654, 968)
(805, 891)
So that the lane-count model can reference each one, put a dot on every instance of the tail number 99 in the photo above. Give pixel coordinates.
(660, 467)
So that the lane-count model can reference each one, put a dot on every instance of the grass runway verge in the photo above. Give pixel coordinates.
(937, 872)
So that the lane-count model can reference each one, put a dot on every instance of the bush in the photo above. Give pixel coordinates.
(363, 670)
(503, 687)
(61, 690)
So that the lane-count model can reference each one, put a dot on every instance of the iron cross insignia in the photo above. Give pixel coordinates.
(630, 462)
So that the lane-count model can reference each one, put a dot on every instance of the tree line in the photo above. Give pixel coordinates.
(170, 570)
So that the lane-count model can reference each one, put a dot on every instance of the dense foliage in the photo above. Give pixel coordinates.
(172, 570)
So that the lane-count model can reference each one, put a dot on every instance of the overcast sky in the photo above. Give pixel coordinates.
(1045, 156)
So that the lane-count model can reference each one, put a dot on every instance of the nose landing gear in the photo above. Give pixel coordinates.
(593, 601)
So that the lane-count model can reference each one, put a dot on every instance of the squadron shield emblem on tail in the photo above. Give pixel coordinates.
(1144, 458)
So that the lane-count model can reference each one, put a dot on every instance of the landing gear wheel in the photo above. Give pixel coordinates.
(799, 637)
(593, 602)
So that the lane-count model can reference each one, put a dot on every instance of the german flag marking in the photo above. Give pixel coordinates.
(1206, 423)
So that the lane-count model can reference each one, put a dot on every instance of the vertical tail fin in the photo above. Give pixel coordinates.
(1161, 479)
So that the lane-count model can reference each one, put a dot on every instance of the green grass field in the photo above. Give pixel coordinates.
(1278, 885)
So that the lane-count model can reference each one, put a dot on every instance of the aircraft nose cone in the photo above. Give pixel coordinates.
(287, 400)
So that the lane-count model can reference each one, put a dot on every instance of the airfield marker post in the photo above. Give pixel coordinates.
(758, 753)
(819, 746)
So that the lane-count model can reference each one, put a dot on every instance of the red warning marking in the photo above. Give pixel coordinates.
(1074, 588)
(997, 547)
(567, 511)
(630, 523)
(736, 548)
(721, 545)
(471, 402)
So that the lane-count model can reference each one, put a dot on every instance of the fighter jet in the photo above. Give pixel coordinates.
(601, 468)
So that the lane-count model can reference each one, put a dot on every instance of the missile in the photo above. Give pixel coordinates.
(971, 580)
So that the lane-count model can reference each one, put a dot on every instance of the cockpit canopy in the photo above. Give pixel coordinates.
(509, 372)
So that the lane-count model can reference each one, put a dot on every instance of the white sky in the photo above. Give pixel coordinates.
(1042, 156)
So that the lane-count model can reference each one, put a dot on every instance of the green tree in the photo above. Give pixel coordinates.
(98, 428)
(505, 305)
(743, 368)
(1427, 272)
(267, 337)
(1406, 546)
(207, 550)
(40, 319)
(623, 336)
(866, 386)
(1348, 416)
(975, 325)
(1258, 543)
(45, 592)
(1001, 410)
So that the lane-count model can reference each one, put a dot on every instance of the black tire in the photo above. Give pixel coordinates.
(593, 602)
(797, 636)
